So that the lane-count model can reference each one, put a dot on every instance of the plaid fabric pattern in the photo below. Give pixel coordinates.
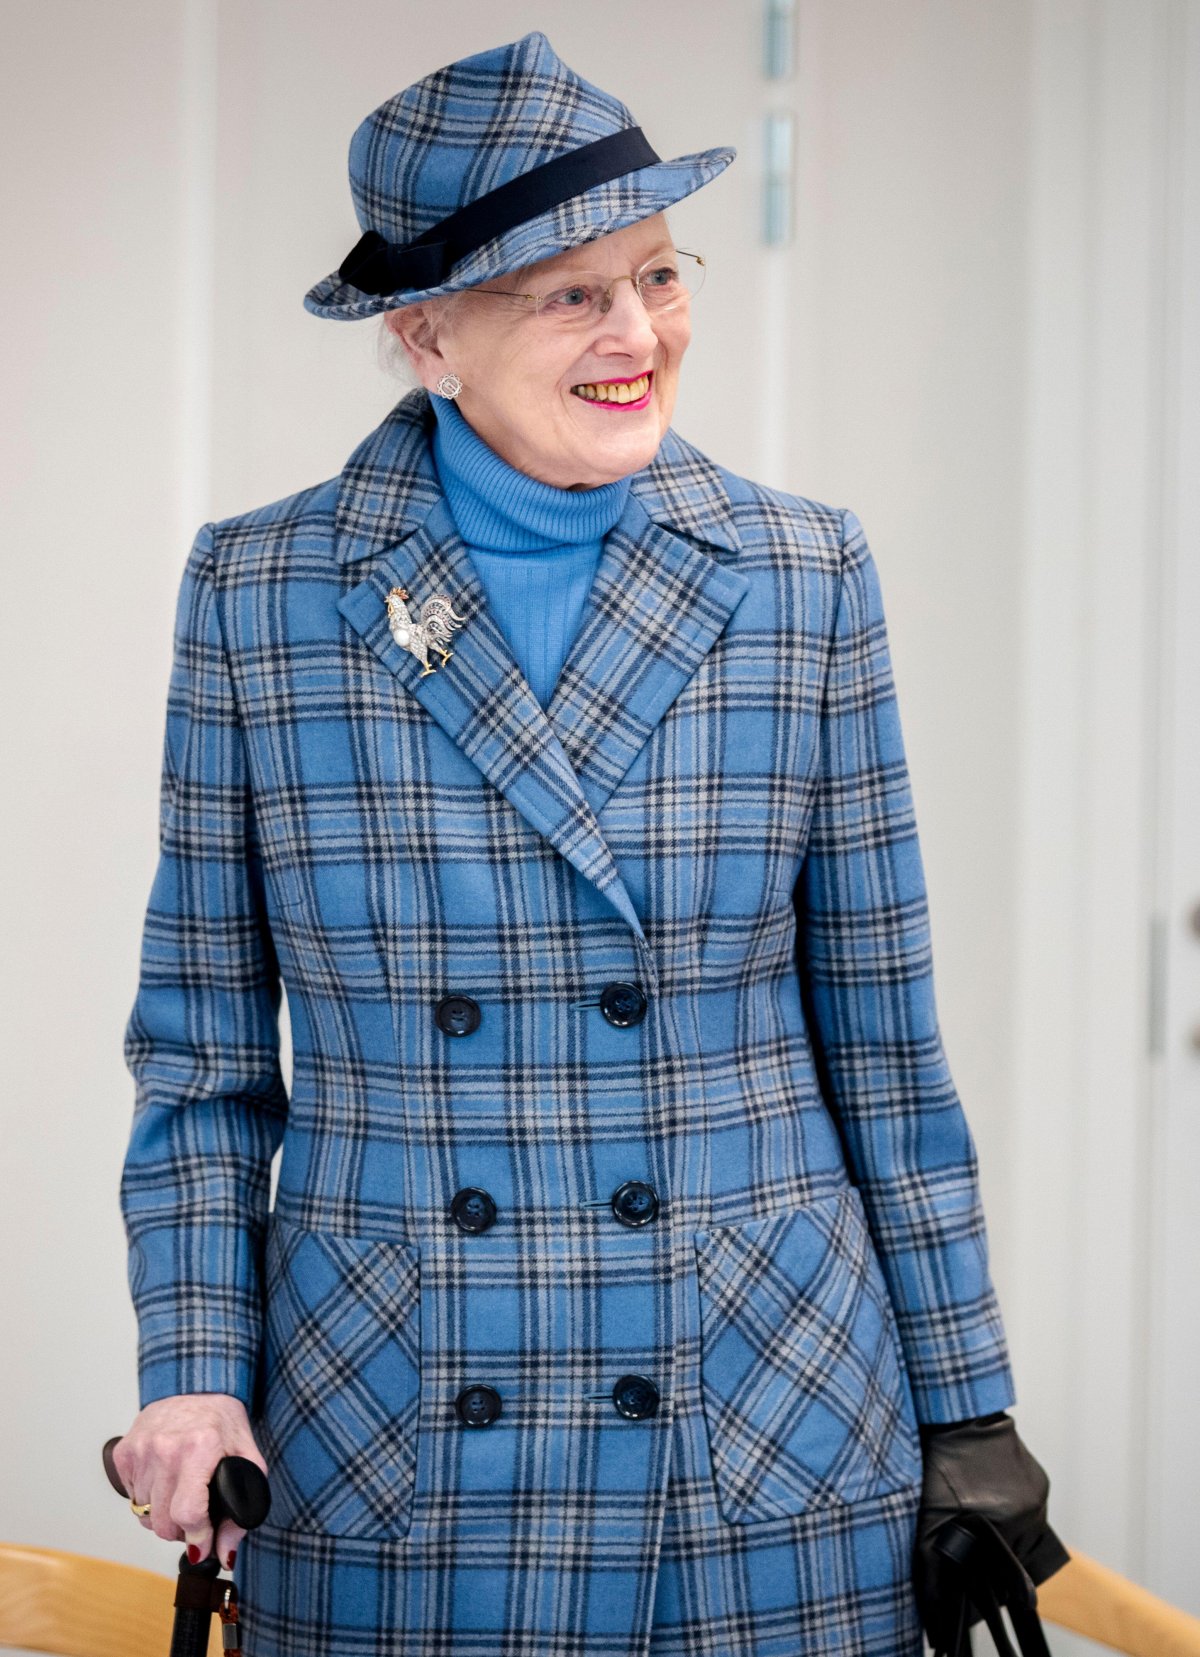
(713, 806)
(794, 1307)
(478, 124)
(342, 1349)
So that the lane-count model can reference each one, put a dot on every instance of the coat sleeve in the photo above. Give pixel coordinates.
(864, 958)
(202, 1041)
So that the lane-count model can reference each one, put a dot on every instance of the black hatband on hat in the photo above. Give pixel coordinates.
(375, 265)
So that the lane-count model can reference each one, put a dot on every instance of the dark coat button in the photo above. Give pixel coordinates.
(622, 1004)
(635, 1202)
(636, 1396)
(478, 1406)
(472, 1209)
(457, 1015)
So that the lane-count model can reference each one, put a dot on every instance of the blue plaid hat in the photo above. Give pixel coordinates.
(489, 164)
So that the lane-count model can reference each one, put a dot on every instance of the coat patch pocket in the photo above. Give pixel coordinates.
(805, 1396)
(342, 1381)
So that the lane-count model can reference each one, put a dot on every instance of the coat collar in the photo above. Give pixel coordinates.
(390, 484)
(657, 604)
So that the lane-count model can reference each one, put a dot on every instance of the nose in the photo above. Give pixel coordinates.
(627, 315)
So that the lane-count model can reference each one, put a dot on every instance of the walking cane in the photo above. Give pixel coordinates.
(238, 1490)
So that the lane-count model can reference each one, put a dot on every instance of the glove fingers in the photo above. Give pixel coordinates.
(955, 1641)
(985, 1598)
(1028, 1629)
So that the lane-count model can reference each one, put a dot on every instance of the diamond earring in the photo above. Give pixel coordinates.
(449, 386)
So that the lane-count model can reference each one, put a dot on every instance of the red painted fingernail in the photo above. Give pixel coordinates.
(232, 1557)
(193, 1554)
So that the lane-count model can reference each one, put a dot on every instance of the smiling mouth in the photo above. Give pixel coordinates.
(618, 393)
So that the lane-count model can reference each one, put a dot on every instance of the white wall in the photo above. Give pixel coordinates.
(906, 405)
(92, 540)
(174, 181)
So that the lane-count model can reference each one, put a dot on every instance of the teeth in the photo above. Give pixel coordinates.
(605, 392)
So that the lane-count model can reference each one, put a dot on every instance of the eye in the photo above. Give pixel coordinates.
(661, 277)
(575, 298)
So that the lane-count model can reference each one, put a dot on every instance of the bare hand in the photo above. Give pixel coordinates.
(167, 1458)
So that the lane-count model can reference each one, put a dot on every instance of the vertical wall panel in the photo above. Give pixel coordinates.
(907, 405)
(1103, 376)
(99, 471)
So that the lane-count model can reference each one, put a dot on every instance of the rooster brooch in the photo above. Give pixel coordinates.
(438, 621)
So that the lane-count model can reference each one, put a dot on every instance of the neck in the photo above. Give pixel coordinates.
(501, 509)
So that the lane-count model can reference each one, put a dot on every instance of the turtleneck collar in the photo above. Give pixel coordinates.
(500, 509)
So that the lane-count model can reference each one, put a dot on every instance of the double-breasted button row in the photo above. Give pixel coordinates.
(634, 1203)
(621, 1003)
(633, 1396)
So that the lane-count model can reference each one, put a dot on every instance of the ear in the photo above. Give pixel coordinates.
(415, 327)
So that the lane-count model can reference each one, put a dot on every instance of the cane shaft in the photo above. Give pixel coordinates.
(189, 1637)
(194, 1605)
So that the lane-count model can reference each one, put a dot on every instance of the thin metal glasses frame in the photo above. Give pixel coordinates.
(635, 277)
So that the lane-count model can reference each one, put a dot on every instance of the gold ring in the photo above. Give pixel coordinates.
(140, 1508)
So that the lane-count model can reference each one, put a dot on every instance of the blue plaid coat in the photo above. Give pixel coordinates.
(627, 1219)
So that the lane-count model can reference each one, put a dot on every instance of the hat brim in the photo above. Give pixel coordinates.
(596, 212)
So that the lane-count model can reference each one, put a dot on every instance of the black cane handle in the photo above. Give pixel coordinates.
(238, 1489)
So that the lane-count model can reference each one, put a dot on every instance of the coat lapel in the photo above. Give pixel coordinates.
(481, 699)
(657, 604)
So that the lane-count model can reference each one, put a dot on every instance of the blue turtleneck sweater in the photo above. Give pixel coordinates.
(534, 546)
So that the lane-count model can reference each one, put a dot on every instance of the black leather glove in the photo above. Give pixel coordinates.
(982, 1536)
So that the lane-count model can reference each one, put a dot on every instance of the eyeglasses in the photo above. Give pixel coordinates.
(663, 282)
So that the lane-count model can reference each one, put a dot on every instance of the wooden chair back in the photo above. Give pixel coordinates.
(1091, 1600)
(76, 1606)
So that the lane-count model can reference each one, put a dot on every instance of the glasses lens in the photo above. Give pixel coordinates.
(671, 278)
(573, 305)
(667, 280)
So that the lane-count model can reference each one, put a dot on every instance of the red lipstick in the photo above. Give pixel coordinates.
(628, 379)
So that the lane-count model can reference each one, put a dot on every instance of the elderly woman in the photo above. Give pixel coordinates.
(627, 1253)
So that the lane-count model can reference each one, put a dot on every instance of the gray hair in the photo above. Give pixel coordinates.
(434, 313)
